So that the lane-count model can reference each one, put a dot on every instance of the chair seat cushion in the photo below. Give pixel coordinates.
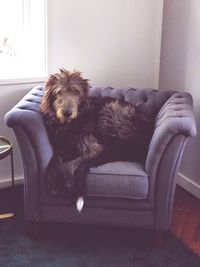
(119, 179)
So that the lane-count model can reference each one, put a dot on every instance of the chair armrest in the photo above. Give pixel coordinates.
(175, 122)
(27, 116)
(35, 148)
(32, 124)
(176, 117)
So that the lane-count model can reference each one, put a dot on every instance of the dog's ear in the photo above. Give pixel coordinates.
(46, 104)
(51, 81)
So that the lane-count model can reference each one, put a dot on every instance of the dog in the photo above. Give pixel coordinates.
(87, 131)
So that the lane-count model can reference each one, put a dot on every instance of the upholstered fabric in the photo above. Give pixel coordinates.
(118, 179)
(120, 193)
(149, 100)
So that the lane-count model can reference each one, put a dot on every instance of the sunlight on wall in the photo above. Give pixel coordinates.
(22, 38)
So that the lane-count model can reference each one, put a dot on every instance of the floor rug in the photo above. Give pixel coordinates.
(62, 245)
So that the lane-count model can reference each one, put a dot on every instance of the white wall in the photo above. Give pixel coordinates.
(113, 42)
(180, 70)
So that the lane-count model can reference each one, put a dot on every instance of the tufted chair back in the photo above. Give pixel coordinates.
(149, 100)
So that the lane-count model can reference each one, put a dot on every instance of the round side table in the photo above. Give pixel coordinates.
(6, 150)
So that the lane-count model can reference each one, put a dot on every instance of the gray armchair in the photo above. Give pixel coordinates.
(118, 193)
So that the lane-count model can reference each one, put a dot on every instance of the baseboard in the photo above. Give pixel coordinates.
(7, 182)
(188, 185)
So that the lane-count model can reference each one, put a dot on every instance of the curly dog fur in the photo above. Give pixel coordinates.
(87, 131)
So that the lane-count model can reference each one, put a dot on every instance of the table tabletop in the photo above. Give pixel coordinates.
(5, 150)
(5, 147)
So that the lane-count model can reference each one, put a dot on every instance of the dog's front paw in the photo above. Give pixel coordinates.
(68, 176)
(54, 184)
(79, 204)
(69, 180)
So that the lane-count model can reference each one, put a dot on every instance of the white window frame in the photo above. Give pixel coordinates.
(26, 18)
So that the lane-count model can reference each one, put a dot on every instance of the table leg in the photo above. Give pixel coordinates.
(12, 168)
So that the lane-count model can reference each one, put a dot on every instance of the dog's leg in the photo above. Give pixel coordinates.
(91, 149)
(74, 173)
(54, 180)
(101, 157)
(80, 184)
(68, 169)
(60, 175)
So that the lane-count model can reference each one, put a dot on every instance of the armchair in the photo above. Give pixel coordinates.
(118, 193)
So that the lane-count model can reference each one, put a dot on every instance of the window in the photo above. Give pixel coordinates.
(22, 39)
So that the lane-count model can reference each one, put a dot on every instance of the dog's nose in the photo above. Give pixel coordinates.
(67, 113)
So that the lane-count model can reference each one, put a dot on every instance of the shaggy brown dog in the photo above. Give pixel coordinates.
(87, 131)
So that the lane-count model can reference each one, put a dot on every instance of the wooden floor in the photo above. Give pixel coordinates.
(186, 219)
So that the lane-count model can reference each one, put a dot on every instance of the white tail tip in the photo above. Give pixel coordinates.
(79, 204)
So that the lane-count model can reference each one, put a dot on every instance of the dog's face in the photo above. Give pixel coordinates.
(65, 93)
